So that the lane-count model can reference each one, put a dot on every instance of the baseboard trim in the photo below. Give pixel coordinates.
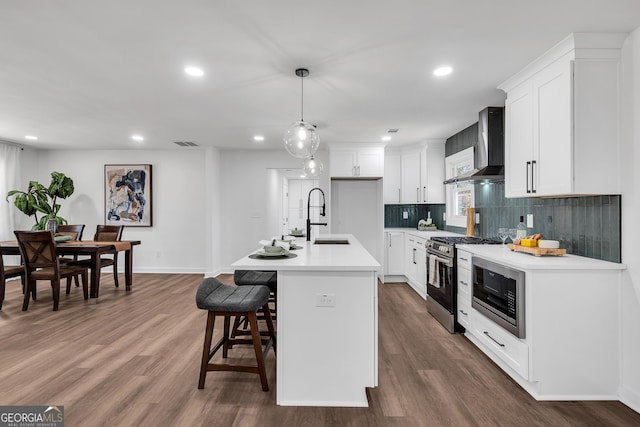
(630, 397)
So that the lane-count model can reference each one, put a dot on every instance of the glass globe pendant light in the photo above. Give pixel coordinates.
(312, 167)
(301, 138)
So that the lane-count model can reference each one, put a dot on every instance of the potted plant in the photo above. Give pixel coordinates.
(42, 202)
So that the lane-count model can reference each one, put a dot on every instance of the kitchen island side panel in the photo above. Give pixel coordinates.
(327, 355)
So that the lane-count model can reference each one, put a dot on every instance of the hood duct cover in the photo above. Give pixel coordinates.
(488, 150)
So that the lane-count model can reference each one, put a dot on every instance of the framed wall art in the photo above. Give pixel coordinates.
(128, 197)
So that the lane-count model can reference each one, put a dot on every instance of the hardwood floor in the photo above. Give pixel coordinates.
(133, 359)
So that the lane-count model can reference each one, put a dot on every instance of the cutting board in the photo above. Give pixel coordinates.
(470, 222)
(536, 250)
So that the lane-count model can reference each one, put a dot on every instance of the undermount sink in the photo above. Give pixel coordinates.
(330, 241)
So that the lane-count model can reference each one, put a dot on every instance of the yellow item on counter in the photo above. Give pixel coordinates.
(529, 242)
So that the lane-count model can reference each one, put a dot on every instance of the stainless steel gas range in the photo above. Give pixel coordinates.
(442, 279)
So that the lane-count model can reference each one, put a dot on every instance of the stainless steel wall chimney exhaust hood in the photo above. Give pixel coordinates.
(488, 150)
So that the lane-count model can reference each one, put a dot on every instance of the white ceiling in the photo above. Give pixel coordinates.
(89, 74)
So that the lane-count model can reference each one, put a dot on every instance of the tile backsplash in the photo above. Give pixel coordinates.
(588, 226)
(393, 215)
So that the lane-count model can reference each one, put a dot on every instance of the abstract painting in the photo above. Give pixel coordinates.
(127, 195)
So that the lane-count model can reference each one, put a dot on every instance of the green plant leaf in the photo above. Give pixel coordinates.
(61, 185)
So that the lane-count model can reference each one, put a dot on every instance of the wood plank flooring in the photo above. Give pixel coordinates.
(132, 359)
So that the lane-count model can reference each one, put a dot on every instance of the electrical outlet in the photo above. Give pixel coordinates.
(444, 216)
(477, 217)
(405, 215)
(529, 220)
(325, 300)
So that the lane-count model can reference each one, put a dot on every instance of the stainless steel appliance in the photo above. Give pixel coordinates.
(489, 149)
(498, 293)
(442, 278)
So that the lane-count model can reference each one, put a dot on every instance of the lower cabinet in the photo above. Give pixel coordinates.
(394, 265)
(511, 350)
(463, 270)
(415, 255)
(571, 346)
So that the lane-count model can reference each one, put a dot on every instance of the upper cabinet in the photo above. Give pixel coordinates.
(432, 173)
(418, 176)
(355, 161)
(391, 180)
(561, 120)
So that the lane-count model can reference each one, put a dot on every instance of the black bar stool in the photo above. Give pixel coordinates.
(225, 300)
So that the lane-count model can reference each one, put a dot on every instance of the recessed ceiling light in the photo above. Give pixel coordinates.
(194, 71)
(386, 138)
(258, 138)
(442, 71)
(31, 137)
(137, 137)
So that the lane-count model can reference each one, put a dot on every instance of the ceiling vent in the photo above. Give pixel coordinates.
(185, 143)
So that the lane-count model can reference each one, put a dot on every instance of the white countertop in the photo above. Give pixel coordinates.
(524, 261)
(423, 234)
(312, 257)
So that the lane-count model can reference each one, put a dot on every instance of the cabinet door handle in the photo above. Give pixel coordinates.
(399, 196)
(527, 174)
(414, 255)
(353, 171)
(463, 258)
(463, 312)
(464, 283)
(493, 339)
(424, 194)
(417, 194)
(533, 182)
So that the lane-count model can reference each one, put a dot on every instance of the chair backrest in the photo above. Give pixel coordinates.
(73, 230)
(38, 249)
(108, 233)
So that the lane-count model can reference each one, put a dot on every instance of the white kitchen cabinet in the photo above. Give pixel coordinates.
(421, 174)
(356, 162)
(415, 255)
(394, 265)
(410, 265)
(410, 173)
(571, 346)
(562, 120)
(391, 180)
(432, 173)
(463, 272)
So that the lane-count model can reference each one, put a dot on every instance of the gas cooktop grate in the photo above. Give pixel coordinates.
(464, 240)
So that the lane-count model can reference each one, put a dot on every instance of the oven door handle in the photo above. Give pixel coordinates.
(447, 262)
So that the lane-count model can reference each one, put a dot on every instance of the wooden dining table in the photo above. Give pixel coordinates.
(93, 249)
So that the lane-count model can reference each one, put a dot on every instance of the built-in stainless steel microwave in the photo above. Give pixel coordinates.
(498, 293)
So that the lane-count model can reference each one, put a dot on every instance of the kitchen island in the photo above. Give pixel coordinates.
(327, 324)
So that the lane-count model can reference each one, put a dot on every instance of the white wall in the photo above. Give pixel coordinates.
(630, 313)
(185, 196)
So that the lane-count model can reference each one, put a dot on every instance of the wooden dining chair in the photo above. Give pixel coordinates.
(38, 250)
(109, 233)
(7, 272)
(75, 231)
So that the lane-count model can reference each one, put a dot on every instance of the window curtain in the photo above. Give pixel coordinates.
(9, 172)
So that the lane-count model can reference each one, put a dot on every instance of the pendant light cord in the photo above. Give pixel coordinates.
(302, 98)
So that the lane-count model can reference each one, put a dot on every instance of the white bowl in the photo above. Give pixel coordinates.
(548, 244)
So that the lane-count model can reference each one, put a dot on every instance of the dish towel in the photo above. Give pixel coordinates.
(434, 271)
